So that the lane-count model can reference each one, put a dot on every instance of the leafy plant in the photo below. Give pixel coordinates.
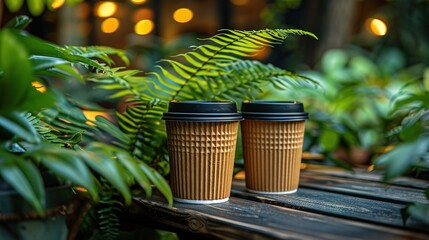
(410, 138)
(44, 130)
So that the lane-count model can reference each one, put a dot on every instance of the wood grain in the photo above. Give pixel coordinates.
(335, 204)
(363, 174)
(362, 188)
(244, 219)
(328, 205)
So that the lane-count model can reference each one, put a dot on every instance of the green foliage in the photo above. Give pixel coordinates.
(20, 174)
(419, 211)
(211, 59)
(17, 94)
(19, 22)
(410, 137)
(48, 131)
(244, 81)
(108, 214)
(398, 161)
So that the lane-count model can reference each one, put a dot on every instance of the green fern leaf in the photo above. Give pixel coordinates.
(123, 82)
(146, 132)
(223, 49)
(244, 80)
(108, 214)
(99, 52)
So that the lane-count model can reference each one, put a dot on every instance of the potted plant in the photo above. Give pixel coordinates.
(46, 148)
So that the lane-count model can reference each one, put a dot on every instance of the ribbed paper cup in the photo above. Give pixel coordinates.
(272, 154)
(272, 134)
(201, 145)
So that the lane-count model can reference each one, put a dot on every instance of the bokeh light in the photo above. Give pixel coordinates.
(262, 54)
(38, 86)
(110, 25)
(144, 27)
(183, 15)
(106, 9)
(91, 115)
(57, 3)
(138, 1)
(377, 27)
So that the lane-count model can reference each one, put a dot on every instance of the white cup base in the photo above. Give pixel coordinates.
(191, 201)
(273, 193)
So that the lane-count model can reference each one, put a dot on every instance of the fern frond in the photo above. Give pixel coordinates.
(108, 213)
(98, 52)
(124, 83)
(65, 125)
(55, 136)
(244, 81)
(209, 60)
(145, 130)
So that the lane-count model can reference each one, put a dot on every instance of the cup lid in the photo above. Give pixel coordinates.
(273, 110)
(202, 111)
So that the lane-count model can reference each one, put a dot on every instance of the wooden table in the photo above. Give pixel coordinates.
(330, 204)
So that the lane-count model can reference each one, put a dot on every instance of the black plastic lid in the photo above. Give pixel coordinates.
(202, 111)
(273, 110)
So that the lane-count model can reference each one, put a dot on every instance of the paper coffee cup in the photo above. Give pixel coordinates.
(202, 139)
(272, 135)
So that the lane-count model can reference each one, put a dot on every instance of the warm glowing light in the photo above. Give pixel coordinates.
(388, 148)
(138, 1)
(57, 3)
(377, 27)
(183, 15)
(90, 115)
(143, 27)
(240, 175)
(110, 25)
(262, 54)
(106, 9)
(239, 2)
(80, 189)
(38, 86)
(143, 13)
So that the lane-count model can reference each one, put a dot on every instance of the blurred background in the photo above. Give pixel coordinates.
(141, 25)
(369, 55)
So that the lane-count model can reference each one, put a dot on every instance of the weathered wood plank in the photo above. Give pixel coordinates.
(335, 204)
(244, 219)
(362, 188)
(362, 174)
